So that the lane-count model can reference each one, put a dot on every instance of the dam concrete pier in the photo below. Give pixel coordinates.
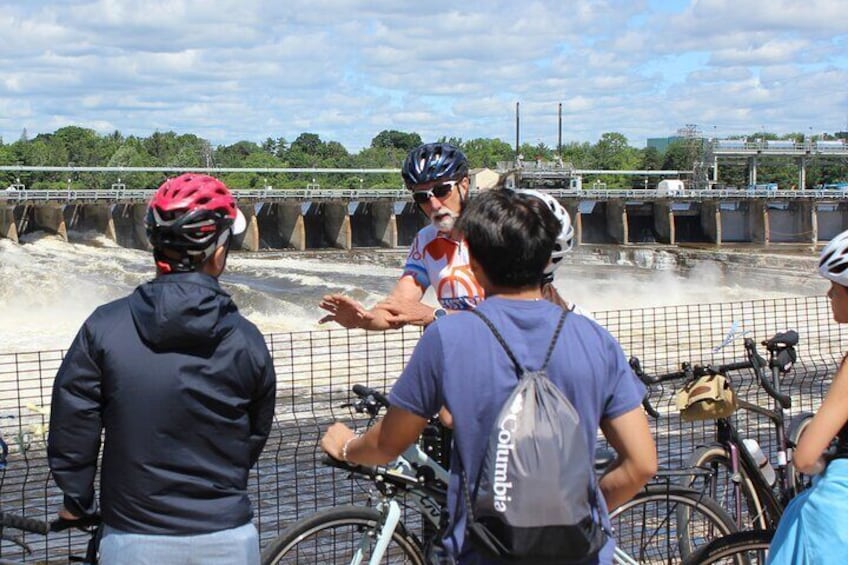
(347, 219)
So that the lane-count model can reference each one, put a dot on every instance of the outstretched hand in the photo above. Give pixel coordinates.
(398, 312)
(345, 311)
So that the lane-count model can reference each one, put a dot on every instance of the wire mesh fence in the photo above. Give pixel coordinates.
(316, 370)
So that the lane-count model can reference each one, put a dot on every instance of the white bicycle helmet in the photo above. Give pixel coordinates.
(565, 240)
(833, 264)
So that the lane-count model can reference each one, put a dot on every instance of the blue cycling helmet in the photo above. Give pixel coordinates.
(434, 162)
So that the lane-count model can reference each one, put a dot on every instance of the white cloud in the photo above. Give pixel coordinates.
(347, 69)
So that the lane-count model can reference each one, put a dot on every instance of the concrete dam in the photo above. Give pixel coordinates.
(346, 219)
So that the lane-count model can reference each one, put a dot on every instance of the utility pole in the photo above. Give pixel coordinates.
(559, 136)
(516, 129)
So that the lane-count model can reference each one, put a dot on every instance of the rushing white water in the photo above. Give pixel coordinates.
(48, 287)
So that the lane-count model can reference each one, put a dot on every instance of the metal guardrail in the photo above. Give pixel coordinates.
(402, 195)
(181, 168)
(316, 369)
(699, 195)
(264, 195)
(727, 147)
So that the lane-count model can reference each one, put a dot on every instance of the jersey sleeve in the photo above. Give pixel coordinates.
(624, 390)
(415, 266)
(419, 387)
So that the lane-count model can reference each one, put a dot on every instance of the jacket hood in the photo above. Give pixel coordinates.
(182, 310)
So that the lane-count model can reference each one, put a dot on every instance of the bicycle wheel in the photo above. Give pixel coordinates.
(719, 484)
(646, 527)
(741, 548)
(333, 536)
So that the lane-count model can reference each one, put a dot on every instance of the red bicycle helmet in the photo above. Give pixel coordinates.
(190, 216)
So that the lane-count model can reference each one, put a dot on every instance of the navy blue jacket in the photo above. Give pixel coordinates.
(184, 387)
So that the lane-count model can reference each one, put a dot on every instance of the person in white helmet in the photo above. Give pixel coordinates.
(814, 527)
(564, 244)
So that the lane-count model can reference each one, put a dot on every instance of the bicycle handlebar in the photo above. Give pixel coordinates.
(60, 524)
(371, 398)
(758, 363)
(34, 526)
(24, 524)
(776, 345)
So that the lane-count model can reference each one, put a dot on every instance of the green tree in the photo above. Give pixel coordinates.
(578, 154)
(482, 152)
(308, 144)
(234, 155)
(255, 180)
(162, 147)
(7, 157)
(396, 140)
(132, 153)
(612, 152)
(333, 151)
(651, 159)
(677, 156)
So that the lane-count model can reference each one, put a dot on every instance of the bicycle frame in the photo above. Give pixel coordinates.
(728, 437)
(405, 475)
(400, 476)
(740, 458)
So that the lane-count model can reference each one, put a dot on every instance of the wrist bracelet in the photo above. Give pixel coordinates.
(345, 446)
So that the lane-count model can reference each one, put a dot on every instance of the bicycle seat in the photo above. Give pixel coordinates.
(780, 340)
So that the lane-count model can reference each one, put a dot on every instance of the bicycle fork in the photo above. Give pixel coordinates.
(390, 512)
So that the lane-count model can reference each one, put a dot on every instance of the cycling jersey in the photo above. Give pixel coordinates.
(441, 262)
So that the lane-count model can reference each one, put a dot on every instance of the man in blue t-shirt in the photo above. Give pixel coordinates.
(458, 363)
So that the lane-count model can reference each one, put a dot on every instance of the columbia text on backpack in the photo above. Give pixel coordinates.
(535, 499)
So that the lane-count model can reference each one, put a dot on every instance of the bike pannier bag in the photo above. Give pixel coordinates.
(535, 499)
(706, 398)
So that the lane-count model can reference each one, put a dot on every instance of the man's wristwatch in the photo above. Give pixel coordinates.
(439, 313)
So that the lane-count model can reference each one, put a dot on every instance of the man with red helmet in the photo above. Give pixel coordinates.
(183, 386)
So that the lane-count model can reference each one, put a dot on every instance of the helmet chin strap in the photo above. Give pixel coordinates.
(188, 262)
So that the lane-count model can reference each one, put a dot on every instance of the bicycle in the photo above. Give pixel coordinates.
(735, 479)
(372, 534)
(740, 548)
(645, 527)
(90, 525)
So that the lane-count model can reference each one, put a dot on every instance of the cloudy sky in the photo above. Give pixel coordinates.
(346, 70)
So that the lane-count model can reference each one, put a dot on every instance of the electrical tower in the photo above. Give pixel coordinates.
(696, 155)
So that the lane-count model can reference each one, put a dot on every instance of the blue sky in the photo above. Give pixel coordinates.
(231, 70)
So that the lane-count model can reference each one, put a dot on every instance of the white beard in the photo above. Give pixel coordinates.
(443, 220)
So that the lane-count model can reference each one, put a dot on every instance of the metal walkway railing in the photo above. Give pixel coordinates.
(316, 370)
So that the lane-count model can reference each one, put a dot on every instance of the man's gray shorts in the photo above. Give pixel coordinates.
(236, 546)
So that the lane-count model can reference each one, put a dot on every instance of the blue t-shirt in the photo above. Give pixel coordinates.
(458, 363)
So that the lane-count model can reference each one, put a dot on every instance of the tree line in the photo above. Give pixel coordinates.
(74, 146)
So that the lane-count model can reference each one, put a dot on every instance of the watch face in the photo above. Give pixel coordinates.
(439, 313)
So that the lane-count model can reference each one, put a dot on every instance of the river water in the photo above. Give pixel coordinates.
(48, 286)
